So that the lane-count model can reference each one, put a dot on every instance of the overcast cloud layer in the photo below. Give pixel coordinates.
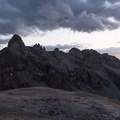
(24, 16)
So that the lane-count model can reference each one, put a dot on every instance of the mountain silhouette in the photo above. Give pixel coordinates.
(23, 66)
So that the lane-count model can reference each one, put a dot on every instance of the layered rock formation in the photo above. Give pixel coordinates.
(86, 70)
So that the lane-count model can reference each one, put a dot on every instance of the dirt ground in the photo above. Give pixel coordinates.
(41, 103)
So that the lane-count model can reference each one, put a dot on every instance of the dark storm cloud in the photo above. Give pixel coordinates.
(25, 16)
(62, 47)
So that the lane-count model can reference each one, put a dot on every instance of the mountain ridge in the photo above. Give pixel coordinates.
(86, 70)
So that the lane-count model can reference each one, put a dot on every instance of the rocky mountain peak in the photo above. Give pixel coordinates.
(56, 50)
(76, 52)
(17, 43)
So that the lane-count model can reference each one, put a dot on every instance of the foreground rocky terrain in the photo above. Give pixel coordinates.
(41, 103)
(87, 70)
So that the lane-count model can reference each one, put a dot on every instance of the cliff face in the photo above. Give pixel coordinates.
(86, 70)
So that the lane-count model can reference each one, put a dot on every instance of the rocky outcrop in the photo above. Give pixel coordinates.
(76, 52)
(39, 47)
(86, 70)
(17, 43)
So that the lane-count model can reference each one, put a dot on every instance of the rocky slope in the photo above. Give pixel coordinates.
(87, 70)
(41, 103)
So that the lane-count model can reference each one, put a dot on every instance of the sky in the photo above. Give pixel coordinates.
(85, 24)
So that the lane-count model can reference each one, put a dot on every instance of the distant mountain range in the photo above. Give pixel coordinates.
(87, 70)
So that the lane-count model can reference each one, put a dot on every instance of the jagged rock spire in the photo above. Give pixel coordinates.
(17, 43)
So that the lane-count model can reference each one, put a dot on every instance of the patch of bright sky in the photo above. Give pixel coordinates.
(84, 0)
(4, 37)
(108, 4)
(94, 40)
